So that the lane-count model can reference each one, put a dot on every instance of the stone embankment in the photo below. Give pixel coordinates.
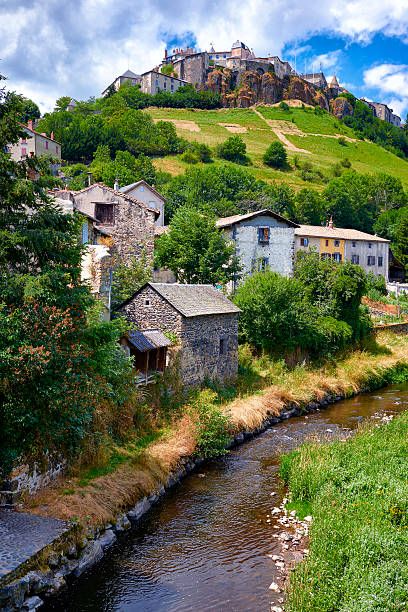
(67, 558)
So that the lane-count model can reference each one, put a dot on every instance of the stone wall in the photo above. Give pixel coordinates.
(397, 328)
(133, 226)
(193, 68)
(157, 314)
(201, 357)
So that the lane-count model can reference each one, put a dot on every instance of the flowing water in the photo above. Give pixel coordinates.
(205, 545)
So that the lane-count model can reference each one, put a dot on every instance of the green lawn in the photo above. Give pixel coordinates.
(357, 493)
(325, 151)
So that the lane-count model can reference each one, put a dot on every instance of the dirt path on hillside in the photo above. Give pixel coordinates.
(278, 127)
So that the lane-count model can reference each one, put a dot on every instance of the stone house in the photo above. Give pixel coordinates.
(145, 193)
(34, 144)
(368, 251)
(127, 77)
(202, 319)
(127, 223)
(315, 78)
(154, 81)
(263, 240)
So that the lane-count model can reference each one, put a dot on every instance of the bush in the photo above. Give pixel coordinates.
(197, 152)
(212, 426)
(342, 141)
(233, 149)
(345, 162)
(284, 107)
(275, 155)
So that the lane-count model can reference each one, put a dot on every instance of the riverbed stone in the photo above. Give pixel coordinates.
(122, 524)
(13, 594)
(139, 510)
(107, 539)
(33, 603)
(89, 556)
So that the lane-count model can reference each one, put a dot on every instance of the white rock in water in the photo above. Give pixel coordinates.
(276, 557)
(276, 609)
(275, 587)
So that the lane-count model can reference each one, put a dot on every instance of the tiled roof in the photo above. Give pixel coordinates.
(148, 340)
(195, 300)
(228, 221)
(336, 232)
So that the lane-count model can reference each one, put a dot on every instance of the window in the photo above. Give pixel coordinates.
(23, 151)
(369, 245)
(337, 257)
(353, 244)
(355, 259)
(371, 260)
(46, 144)
(85, 233)
(327, 243)
(223, 346)
(147, 302)
(325, 256)
(104, 213)
(217, 57)
(263, 263)
(263, 235)
(304, 242)
(337, 243)
(380, 262)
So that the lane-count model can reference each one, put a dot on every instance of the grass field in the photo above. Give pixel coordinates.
(324, 151)
(357, 493)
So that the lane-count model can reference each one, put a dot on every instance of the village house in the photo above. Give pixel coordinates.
(127, 77)
(315, 78)
(126, 222)
(143, 192)
(35, 144)
(202, 319)
(383, 112)
(263, 240)
(154, 81)
(368, 251)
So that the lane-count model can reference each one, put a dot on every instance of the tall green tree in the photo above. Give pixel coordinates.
(195, 250)
(57, 361)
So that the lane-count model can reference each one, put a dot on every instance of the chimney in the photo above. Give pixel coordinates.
(330, 223)
(89, 175)
(30, 124)
(165, 54)
(52, 135)
(116, 185)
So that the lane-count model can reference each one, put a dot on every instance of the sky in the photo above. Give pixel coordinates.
(50, 48)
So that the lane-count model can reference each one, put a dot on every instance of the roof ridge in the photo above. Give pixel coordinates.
(121, 194)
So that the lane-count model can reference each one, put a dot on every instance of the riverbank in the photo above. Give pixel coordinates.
(357, 493)
(98, 505)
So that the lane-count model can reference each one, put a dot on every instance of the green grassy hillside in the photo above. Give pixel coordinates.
(308, 135)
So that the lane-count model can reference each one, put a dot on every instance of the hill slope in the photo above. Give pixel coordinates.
(311, 135)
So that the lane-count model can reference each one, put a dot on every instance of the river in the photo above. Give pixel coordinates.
(205, 545)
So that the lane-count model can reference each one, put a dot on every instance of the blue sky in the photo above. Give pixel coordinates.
(49, 48)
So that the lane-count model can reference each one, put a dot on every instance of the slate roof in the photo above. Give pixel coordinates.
(127, 188)
(130, 75)
(194, 300)
(148, 340)
(120, 194)
(228, 221)
(336, 232)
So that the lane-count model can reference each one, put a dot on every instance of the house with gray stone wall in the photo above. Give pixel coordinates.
(263, 240)
(202, 319)
(143, 192)
(127, 222)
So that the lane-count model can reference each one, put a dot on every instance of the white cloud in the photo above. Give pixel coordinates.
(77, 47)
(390, 81)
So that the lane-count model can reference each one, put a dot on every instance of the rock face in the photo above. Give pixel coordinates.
(298, 89)
(340, 107)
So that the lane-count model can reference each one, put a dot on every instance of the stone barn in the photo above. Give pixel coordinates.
(202, 319)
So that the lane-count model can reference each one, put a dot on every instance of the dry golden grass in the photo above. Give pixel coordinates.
(103, 498)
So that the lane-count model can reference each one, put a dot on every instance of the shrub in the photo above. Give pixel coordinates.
(345, 162)
(212, 426)
(342, 141)
(275, 155)
(284, 107)
(233, 149)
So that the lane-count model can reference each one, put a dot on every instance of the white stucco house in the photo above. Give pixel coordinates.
(263, 240)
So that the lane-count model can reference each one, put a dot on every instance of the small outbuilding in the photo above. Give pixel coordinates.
(149, 352)
(201, 318)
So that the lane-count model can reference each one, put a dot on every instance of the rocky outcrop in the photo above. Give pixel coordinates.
(321, 100)
(340, 107)
(271, 88)
(298, 89)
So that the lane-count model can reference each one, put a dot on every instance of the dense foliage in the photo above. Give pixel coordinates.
(317, 311)
(367, 126)
(275, 155)
(233, 149)
(195, 250)
(58, 361)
